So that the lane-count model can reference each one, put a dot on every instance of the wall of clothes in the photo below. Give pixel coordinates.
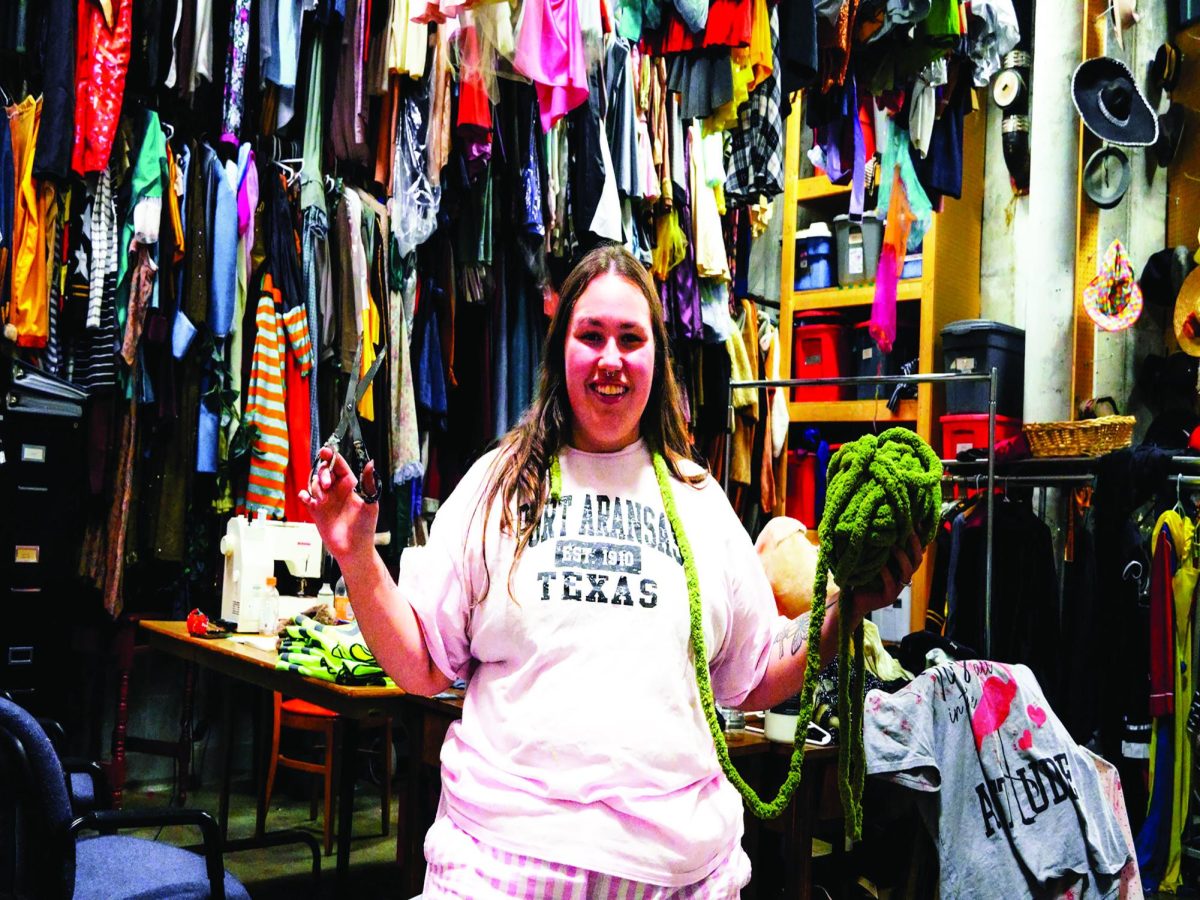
(206, 208)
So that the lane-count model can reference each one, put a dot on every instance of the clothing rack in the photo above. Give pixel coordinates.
(991, 377)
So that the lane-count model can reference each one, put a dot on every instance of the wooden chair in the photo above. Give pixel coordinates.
(304, 716)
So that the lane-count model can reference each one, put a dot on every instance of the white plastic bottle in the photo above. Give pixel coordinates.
(268, 623)
(341, 602)
(249, 614)
(325, 595)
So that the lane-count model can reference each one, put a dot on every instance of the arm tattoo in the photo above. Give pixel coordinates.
(794, 635)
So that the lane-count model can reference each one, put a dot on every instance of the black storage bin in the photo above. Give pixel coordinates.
(976, 346)
(865, 358)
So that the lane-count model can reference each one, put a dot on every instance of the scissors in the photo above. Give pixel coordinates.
(348, 432)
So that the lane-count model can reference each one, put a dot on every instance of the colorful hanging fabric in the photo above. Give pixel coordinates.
(1113, 299)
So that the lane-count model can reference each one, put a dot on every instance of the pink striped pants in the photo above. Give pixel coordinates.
(459, 866)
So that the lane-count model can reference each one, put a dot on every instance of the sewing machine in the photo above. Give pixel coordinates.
(251, 548)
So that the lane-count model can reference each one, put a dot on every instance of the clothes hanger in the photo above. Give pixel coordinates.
(169, 129)
(292, 168)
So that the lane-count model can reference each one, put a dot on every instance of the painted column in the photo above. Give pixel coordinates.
(1046, 245)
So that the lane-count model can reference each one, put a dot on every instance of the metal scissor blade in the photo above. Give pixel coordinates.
(365, 383)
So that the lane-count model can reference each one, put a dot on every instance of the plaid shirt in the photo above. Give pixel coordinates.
(755, 165)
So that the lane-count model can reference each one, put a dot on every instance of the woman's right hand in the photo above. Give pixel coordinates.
(346, 521)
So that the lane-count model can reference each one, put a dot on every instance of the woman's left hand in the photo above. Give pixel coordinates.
(895, 575)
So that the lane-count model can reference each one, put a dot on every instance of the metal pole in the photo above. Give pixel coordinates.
(991, 510)
(932, 377)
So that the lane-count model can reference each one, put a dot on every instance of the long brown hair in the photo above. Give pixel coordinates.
(519, 477)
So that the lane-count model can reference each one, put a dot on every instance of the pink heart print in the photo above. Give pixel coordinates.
(1037, 715)
(1026, 740)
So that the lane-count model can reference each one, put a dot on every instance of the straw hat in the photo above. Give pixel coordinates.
(1187, 314)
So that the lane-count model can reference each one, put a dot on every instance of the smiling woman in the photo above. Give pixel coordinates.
(609, 364)
(586, 507)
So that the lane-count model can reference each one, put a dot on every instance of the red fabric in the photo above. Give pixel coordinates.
(304, 708)
(297, 390)
(729, 25)
(1162, 628)
(474, 107)
(101, 61)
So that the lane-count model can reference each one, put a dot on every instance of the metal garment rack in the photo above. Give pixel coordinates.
(992, 378)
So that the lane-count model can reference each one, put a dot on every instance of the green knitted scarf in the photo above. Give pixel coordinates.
(878, 492)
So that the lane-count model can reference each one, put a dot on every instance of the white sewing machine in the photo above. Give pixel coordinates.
(250, 548)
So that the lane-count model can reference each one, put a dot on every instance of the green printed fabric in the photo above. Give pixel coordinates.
(335, 653)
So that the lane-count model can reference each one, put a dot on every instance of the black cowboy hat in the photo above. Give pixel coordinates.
(1110, 103)
(1170, 135)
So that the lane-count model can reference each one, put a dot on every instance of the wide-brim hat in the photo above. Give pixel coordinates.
(1123, 15)
(1187, 314)
(1106, 176)
(1113, 299)
(1164, 71)
(1170, 135)
(1111, 104)
(1163, 275)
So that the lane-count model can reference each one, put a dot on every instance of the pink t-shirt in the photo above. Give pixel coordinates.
(582, 740)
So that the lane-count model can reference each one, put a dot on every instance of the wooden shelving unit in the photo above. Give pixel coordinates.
(948, 290)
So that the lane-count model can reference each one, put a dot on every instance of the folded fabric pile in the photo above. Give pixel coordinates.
(329, 652)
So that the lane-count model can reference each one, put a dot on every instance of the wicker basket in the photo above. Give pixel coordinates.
(1087, 437)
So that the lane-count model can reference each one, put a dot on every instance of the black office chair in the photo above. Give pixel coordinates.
(43, 856)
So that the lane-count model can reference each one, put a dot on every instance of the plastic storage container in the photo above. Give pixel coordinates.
(801, 500)
(966, 431)
(819, 351)
(814, 258)
(858, 246)
(978, 346)
(914, 265)
(865, 357)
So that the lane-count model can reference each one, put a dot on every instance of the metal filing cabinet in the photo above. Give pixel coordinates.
(41, 491)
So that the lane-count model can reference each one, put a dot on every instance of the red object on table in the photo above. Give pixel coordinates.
(197, 623)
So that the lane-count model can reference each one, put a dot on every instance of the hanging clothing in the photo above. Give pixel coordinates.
(550, 53)
(235, 70)
(1173, 582)
(101, 61)
(28, 309)
(53, 158)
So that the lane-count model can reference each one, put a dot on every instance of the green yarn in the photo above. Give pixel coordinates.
(878, 492)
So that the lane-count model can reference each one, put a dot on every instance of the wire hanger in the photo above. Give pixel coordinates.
(169, 129)
(292, 169)
(6, 96)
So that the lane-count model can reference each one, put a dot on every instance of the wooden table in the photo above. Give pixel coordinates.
(426, 720)
(247, 663)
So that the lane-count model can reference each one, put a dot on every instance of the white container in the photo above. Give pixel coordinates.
(249, 611)
(268, 615)
(780, 727)
(894, 622)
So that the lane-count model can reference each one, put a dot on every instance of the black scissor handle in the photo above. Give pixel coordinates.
(358, 459)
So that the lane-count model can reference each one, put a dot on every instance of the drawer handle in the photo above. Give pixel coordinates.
(20, 656)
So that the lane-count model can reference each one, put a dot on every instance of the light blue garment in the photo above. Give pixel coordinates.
(279, 43)
(694, 13)
(182, 333)
(224, 231)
